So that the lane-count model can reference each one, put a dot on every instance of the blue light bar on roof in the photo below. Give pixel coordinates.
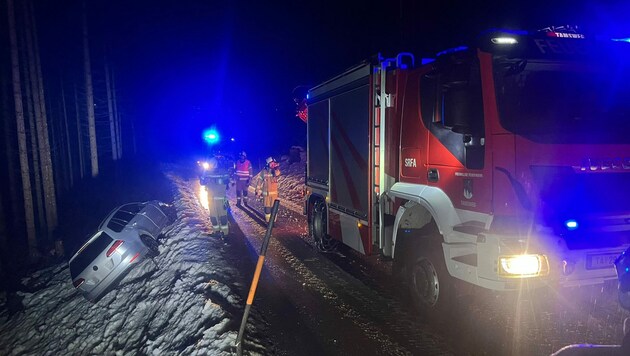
(621, 39)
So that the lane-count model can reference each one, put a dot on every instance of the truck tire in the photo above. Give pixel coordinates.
(319, 229)
(431, 287)
(151, 244)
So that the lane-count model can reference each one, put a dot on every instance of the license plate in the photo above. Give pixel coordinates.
(605, 260)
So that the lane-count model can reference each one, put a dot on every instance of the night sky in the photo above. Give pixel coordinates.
(186, 65)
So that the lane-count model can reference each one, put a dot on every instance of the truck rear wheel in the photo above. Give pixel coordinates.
(319, 228)
(432, 288)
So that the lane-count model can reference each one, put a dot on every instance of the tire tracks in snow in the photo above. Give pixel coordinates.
(344, 293)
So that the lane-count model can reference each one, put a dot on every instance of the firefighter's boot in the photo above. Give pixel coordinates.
(245, 201)
(215, 225)
(224, 226)
(238, 201)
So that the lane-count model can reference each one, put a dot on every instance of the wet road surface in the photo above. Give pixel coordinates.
(343, 303)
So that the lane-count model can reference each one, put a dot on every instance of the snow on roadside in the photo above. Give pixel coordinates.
(187, 304)
(290, 183)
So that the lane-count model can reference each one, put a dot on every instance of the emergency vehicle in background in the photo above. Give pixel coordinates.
(504, 161)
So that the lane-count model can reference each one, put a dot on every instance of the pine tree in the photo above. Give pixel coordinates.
(21, 132)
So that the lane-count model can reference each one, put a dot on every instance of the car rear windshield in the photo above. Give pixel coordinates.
(89, 253)
(123, 216)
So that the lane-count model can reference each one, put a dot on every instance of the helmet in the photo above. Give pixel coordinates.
(242, 154)
(271, 162)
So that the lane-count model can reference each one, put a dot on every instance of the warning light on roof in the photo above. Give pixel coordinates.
(504, 40)
(621, 40)
(211, 136)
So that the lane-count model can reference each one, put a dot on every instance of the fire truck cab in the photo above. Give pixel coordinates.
(498, 162)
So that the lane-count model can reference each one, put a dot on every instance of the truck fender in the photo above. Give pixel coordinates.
(424, 203)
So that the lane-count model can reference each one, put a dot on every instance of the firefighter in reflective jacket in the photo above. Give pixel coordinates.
(242, 176)
(216, 181)
(267, 185)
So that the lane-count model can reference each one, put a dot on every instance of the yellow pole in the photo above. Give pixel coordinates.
(259, 266)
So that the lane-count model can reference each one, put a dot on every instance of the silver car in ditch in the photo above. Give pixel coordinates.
(126, 237)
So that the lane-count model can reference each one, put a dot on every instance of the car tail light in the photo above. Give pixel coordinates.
(134, 257)
(114, 247)
(78, 282)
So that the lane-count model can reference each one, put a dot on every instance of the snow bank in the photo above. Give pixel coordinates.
(185, 303)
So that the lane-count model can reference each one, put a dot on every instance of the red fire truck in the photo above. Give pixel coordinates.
(504, 161)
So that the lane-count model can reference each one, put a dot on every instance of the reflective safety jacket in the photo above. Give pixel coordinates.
(216, 176)
(243, 170)
(267, 182)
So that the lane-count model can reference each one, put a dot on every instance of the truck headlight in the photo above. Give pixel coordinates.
(523, 266)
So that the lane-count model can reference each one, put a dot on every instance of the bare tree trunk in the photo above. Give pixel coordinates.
(79, 133)
(33, 113)
(3, 238)
(50, 196)
(90, 97)
(68, 148)
(9, 147)
(54, 150)
(19, 115)
(110, 110)
(117, 117)
(4, 103)
(39, 198)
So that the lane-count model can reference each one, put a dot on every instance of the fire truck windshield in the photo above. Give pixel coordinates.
(564, 102)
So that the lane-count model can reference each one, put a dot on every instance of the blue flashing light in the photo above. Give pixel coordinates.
(211, 136)
(627, 269)
(571, 224)
(452, 50)
(308, 96)
(232, 139)
(427, 60)
(621, 39)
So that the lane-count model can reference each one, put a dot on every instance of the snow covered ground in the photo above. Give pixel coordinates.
(186, 302)
(192, 301)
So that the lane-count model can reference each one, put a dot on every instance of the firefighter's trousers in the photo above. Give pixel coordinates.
(268, 199)
(217, 207)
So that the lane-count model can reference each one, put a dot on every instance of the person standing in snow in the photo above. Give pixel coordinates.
(267, 185)
(242, 175)
(216, 181)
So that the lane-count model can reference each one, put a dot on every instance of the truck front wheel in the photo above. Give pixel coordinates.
(432, 288)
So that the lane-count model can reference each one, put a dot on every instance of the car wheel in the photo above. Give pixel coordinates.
(151, 244)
